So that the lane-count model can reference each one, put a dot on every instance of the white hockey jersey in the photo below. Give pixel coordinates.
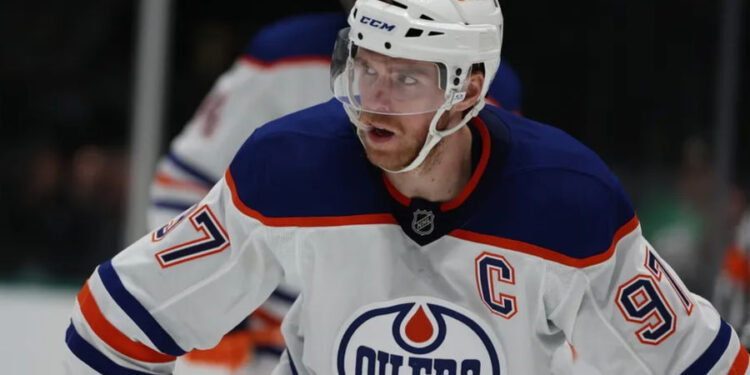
(541, 246)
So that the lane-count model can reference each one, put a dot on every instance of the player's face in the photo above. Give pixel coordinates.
(399, 97)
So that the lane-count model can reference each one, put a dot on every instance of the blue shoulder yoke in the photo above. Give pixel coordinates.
(554, 192)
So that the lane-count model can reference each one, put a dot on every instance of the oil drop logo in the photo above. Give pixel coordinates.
(416, 335)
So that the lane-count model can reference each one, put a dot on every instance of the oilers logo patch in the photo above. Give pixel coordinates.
(416, 335)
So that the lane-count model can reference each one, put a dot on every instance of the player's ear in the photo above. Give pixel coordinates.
(473, 90)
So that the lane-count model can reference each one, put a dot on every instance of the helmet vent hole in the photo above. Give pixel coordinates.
(413, 33)
(387, 45)
(434, 33)
(426, 17)
(396, 3)
(359, 35)
(355, 13)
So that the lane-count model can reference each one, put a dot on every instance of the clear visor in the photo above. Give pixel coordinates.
(367, 81)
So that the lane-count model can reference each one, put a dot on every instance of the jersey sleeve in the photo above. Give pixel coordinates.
(179, 288)
(252, 93)
(627, 312)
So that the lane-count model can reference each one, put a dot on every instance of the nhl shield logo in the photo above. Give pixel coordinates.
(423, 222)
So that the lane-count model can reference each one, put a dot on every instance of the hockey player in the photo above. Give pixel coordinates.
(285, 68)
(435, 236)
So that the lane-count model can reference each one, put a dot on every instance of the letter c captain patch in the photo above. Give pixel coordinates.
(494, 273)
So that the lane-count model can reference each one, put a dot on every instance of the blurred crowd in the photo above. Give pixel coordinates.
(634, 82)
(64, 86)
(63, 210)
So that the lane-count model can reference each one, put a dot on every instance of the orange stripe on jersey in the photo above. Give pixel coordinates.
(268, 337)
(266, 317)
(573, 352)
(739, 366)
(541, 252)
(400, 198)
(298, 60)
(232, 352)
(166, 180)
(316, 221)
(111, 335)
(491, 100)
(466, 191)
(736, 266)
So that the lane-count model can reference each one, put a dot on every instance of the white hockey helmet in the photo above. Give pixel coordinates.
(454, 35)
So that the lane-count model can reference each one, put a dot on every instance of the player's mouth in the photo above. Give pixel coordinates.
(377, 131)
(379, 135)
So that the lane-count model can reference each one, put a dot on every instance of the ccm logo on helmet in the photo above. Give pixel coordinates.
(375, 23)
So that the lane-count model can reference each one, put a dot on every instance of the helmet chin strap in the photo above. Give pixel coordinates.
(433, 136)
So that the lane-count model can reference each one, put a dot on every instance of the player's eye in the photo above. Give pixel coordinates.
(406, 80)
(366, 68)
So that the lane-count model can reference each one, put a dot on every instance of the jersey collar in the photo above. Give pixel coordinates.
(424, 221)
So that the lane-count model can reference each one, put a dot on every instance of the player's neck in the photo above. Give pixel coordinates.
(443, 174)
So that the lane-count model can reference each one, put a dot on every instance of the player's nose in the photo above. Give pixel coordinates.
(381, 95)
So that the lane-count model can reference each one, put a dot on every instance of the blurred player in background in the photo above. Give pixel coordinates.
(286, 67)
(731, 294)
